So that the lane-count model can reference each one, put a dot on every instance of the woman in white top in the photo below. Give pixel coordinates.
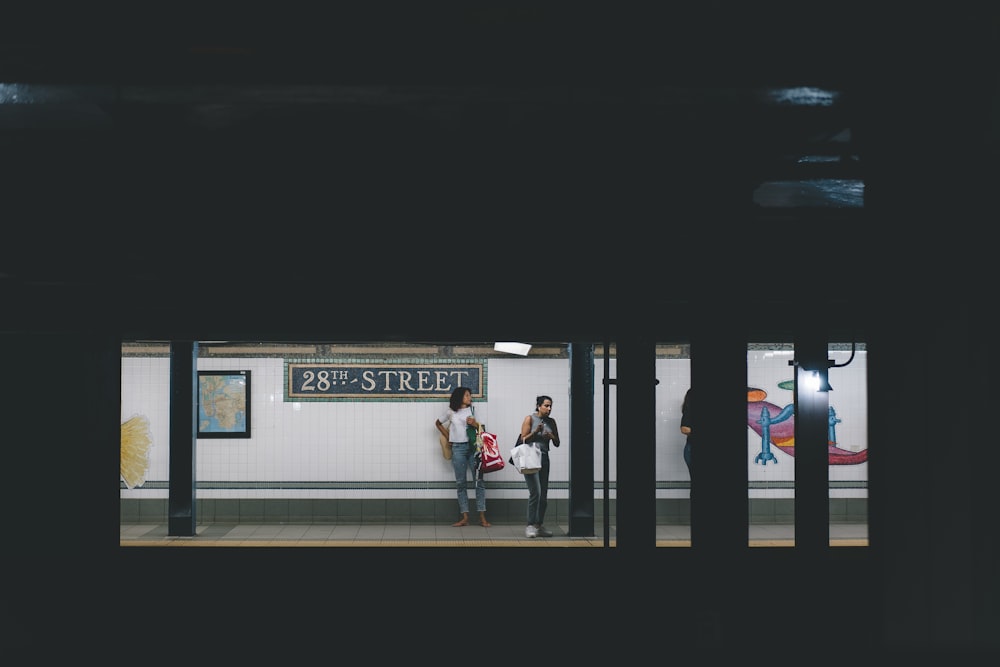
(453, 425)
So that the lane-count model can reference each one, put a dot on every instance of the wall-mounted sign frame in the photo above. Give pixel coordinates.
(382, 380)
(223, 404)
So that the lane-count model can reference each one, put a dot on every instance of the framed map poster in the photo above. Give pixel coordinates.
(223, 404)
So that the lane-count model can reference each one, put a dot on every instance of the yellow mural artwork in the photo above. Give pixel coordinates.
(135, 443)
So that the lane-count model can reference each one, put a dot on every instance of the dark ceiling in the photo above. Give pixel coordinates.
(355, 141)
(433, 42)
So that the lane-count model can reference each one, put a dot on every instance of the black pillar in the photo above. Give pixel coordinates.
(636, 438)
(932, 434)
(183, 437)
(719, 504)
(812, 406)
(581, 442)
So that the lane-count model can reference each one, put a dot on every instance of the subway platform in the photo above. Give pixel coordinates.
(432, 535)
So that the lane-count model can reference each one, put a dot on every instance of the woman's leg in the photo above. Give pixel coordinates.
(543, 488)
(534, 491)
(460, 463)
(480, 495)
(480, 491)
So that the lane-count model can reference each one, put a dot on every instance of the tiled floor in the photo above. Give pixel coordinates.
(414, 535)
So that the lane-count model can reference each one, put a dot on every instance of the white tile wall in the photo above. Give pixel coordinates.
(395, 441)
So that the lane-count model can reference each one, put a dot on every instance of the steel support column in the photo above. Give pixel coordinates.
(182, 520)
(581, 443)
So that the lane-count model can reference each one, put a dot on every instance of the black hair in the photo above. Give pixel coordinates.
(455, 402)
(541, 399)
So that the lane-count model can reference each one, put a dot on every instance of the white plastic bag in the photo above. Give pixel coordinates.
(527, 458)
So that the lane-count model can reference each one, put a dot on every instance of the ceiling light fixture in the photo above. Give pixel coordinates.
(521, 349)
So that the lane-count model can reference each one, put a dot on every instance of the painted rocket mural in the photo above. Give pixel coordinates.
(776, 426)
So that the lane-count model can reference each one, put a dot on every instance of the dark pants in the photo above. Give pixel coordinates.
(538, 492)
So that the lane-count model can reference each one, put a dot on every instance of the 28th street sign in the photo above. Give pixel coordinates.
(354, 381)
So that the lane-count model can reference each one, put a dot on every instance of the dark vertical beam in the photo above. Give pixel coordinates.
(808, 586)
(581, 442)
(719, 503)
(182, 520)
(812, 475)
(928, 443)
(105, 404)
(608, 382)
(636, 437)
(927, 469)
(982, 369)
(61, 439)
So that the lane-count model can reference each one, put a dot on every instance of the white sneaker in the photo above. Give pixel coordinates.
(529, 531)
(542, 531)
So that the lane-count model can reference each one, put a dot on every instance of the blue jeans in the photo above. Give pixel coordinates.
(538, 492)
(463, 460)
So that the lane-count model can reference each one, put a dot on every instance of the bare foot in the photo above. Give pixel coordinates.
(463, 522)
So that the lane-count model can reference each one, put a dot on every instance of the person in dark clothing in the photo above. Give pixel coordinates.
(540, 428)
(687, 420)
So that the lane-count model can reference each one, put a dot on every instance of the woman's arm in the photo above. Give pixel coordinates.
(555, 432)
(526, 429)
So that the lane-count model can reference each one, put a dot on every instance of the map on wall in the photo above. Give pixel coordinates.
(223, 404)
